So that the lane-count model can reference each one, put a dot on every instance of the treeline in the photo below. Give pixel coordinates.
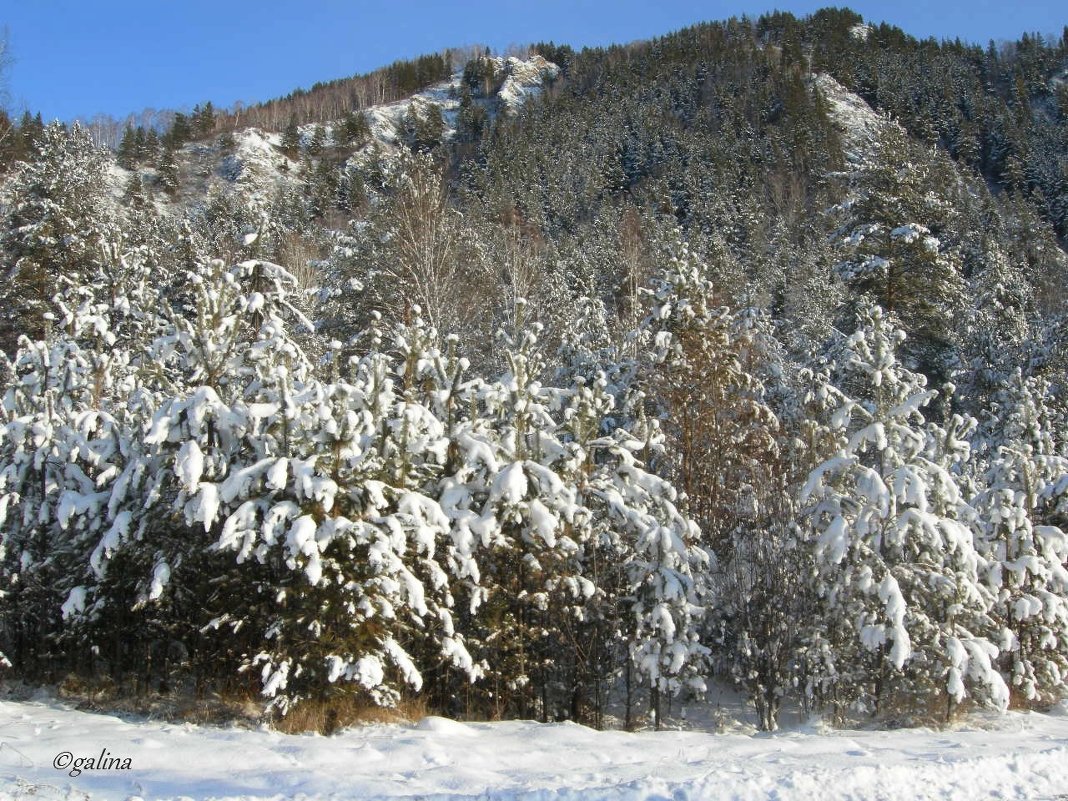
(323, 102)
(332, 100)
(672, 375)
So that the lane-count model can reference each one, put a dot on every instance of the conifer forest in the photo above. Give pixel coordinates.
(556, 385)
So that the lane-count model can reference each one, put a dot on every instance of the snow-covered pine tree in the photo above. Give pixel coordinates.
(897, 566)
(598, 622)
(643, 568)
(56, 445)
(999, 325)
(72, 416)
(663, 560)
(531, 567)
(1022, 512)
(56, 216)
(433, 403)
(155, 570)
(591, 351)
(365, 577)
(313, 487)
(816, 420)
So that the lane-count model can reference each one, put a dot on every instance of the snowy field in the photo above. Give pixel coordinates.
(1012, 756)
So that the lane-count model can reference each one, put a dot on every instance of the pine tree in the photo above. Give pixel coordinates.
(471, 118)
(8, 142)
(127, 156)
(180, 132)
(898, 569)
(56, 213)
(999, 324)
(531, 571)
(30, 129)
(893, 252)
(169, 173)
(1022, 507)
(149, 147)
(133, 195)
(317, 141)
(203, 120)
(291, 139)
(356, 128)
(429, 128)
(723, 437)
(667, 574)
(323, 189)
(71, 431)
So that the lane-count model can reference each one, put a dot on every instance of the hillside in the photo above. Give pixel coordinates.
(255, 168)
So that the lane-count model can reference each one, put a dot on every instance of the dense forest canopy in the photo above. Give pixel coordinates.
(555, 386)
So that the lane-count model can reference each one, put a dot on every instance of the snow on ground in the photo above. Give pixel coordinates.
(1018, 756)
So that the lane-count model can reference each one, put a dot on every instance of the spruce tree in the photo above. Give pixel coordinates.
(291, 139)
(127, 156)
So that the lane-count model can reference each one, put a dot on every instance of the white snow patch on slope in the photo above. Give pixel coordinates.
(385, 120)
(257, 164)
(860, 31)
(858, 122)
(255, 169)
(1019, 756)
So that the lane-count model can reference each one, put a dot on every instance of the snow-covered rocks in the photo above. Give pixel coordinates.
(859, 123)
(524, 79)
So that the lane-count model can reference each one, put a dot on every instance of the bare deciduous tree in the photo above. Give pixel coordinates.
(423, 262)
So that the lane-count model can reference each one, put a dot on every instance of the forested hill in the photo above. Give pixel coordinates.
(558, 387)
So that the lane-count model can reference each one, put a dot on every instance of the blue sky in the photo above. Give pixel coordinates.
(79, 57)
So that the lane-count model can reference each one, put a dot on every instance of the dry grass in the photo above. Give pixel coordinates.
(327, 717)
(241, 707)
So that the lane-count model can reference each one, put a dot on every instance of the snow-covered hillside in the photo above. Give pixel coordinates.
(255, 168)
(1022, 756)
